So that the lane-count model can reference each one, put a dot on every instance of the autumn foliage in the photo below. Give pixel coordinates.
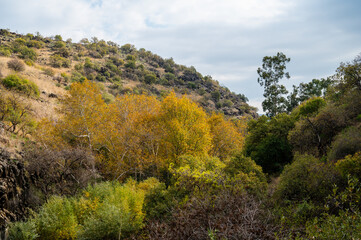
(138, 135)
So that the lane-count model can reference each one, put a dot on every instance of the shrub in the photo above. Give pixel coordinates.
(306, 178)
(150, 78)
(14, 82)
(16, 65)
(130, 64)
(23, 230)
(49, 72)
(28, 53)
(56, 220)
(107, 210)
(350, 165)
(241, 164)
(57, 61)
(346, 143)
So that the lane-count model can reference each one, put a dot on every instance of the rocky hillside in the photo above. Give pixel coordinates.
(54, 63)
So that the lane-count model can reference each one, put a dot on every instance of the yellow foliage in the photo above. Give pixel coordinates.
(226, 139)
(185, 128)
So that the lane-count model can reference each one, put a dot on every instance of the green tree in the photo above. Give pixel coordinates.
(272, 71)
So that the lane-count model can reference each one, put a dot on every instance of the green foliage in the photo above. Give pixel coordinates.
(56, 220)
(350, 165)
(57, 61)
(159, 202)
(14, 82)
(342, 218)
(23, 230)
(150, 78)
(272, 71)
(346, 143)
(343, 226)
(107, 210)
(306, 178)
(28, 53)
(130, 64)
(311, 106)
(267, 142)
(241, 164)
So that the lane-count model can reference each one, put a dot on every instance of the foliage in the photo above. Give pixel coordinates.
(350, 165)
(226, 137)
(107, 210)
(342, 219)
(56, 220)
(272, 71)
(14, 82)
(347, 142)
(185, 127)
(23, 230)
(306, 178)
(267, 142)
(16, 65)
(16, 113)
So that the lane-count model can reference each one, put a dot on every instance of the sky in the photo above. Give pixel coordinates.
(225, 39)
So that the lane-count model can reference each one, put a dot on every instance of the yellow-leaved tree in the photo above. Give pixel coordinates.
(131, 138)
(184, 128)
(226, 138)
(83, 115)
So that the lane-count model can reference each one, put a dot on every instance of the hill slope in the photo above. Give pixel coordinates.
(120, 69)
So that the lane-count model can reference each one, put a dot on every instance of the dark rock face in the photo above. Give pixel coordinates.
(14, 191)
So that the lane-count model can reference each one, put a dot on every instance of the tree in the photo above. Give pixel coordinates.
(185, 128)
(272, 71)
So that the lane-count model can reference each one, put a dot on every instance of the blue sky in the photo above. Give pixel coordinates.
(225, 39)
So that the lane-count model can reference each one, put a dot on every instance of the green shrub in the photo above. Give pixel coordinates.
(56, 220)
(150, 78)
(49, 72)
(58, 61)
(130, 64)
(14, 82)
(350, 165)
(346, 143)
(27, 53)
(343, 226)
(5, 51)
(23, 230)
(306, 178)
(240, 163)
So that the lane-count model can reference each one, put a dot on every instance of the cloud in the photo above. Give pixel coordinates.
(225, 39)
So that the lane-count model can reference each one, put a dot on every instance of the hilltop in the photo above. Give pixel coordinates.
(53, 64)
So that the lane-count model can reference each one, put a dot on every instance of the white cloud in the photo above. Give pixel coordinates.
(226, 39)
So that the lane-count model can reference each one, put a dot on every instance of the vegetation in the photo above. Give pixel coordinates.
(126, 157)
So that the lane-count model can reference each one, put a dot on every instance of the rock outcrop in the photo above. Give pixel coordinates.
(14, 191)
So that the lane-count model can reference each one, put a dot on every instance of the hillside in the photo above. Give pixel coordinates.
(54, 64)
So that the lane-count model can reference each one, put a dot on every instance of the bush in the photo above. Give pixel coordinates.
(350, 165)
(23, 230)
(347, 142)
(49, 72)
(28, 53)
(306, 178)
(150, 78)
(14, 82)
(56, 220)
(107, 210)
(57, 61)
(16, 65)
